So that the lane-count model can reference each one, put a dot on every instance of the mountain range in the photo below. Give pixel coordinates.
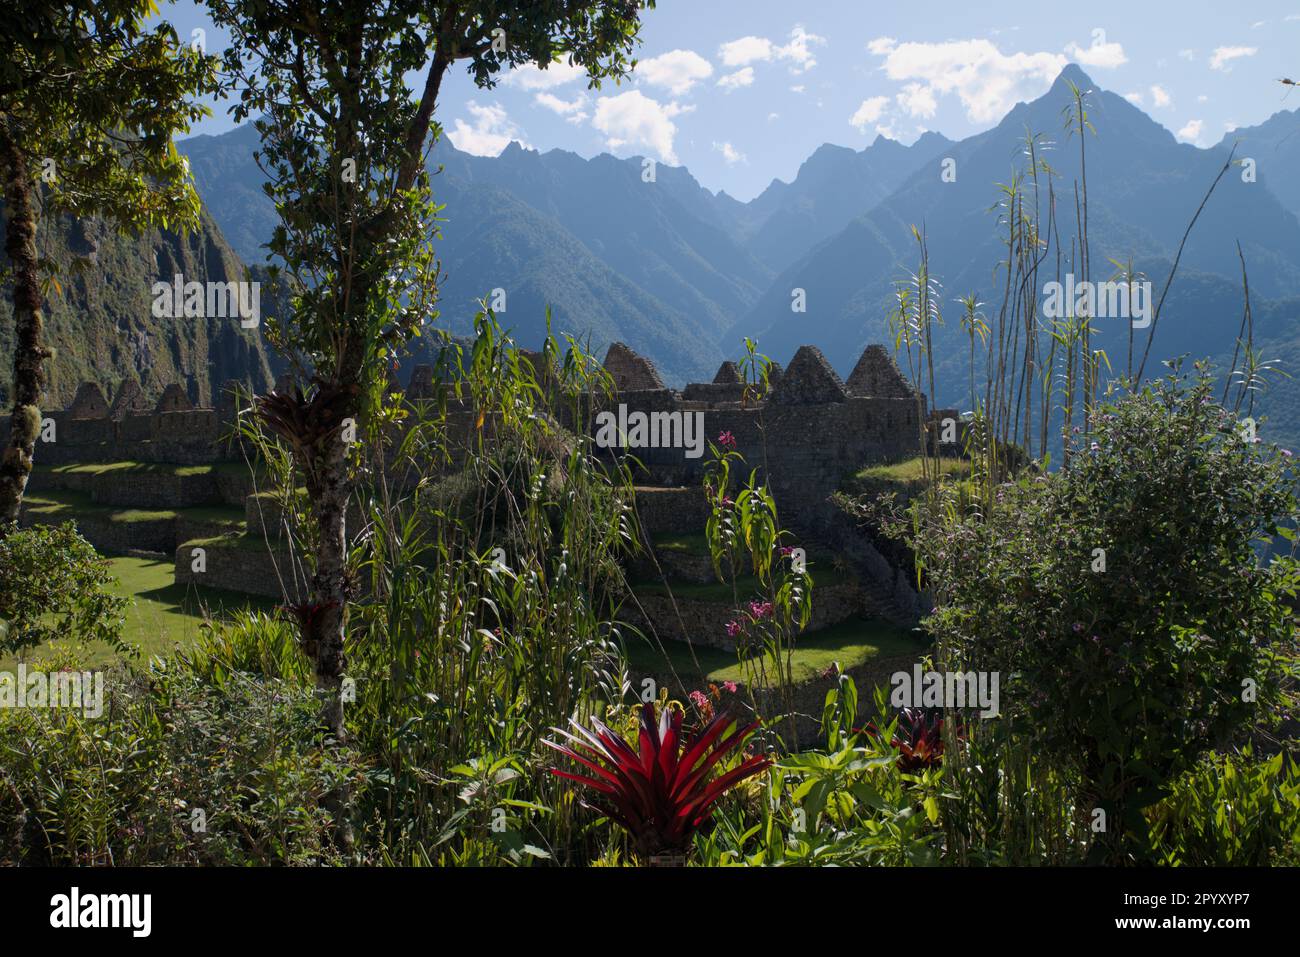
(682, 273)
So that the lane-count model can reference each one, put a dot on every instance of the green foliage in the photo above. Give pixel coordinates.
(54, 585)
(1122, 677)
(88, 86)
(179, 770)
(846, 805)
(1231, 810)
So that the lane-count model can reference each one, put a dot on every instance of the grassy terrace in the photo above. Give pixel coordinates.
(162, 615)
(153, 468)
(820, 566)
(851, 643)
(240, 540)
(65, 505)
(907, 472)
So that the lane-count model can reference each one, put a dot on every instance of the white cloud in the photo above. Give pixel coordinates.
(531, 77)
(734, 81)
(730, 154)
(752, 49)
(634, 119)
(773, 116)
(887, 131)
(1223, 55)
(869, 112)
(918, 100)
(491, 133)
(987, 81)
(797, 88)
(745, 50)
(1187, 54)
(1202, 99)
(1231, 125)
(1135, 98)
(1159, 97)
(573, 111)
(1258, 23)
(1101, 54)
(675, 71)
(1191, 133)
(797, 50)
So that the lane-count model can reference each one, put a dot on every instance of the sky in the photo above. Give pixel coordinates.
(743, 91)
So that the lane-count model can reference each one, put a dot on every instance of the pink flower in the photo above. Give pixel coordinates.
(761, 609)
(727, 440)
(699, 699)
(726, 502)
(733, 629)
(729, 686)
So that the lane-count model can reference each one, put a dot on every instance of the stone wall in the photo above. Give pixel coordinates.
(705, 622)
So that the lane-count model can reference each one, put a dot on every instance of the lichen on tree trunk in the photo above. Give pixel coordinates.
(29, 351)
(329, 497)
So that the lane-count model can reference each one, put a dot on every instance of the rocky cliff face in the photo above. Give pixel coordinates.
(100, 320)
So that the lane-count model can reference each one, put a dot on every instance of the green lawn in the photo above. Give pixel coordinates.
(909, 470)
(849, 643)
(162, 615)
(64, 505)
(157, 468)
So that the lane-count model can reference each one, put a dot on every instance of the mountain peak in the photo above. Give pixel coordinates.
(1073, 73)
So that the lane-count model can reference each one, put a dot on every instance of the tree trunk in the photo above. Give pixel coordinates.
(29, 352)
(329, 584)
(328, 490)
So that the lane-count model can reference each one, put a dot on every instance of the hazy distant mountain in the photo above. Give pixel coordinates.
(833, 187)
(682, 273)
(666, 265)
(1143, 188)
(1274, 145)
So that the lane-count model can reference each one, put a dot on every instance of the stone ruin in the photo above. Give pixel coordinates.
(89, 403)
(877, 374)
(129, 399)
(174, 399)
(631, 372)
(810, 431)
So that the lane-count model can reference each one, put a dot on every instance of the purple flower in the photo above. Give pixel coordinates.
(1077, 626)
(733, 629)
(761, 609)
(1286, 453)
(727, 440)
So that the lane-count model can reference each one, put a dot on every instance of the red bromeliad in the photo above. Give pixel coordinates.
(919, 739)
(662, 793)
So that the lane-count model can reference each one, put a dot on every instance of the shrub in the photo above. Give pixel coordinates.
(178, 770)
(1231, 810)
(1123, 600)
(54, 585)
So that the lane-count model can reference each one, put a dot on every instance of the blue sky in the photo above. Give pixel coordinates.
(742, 91)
